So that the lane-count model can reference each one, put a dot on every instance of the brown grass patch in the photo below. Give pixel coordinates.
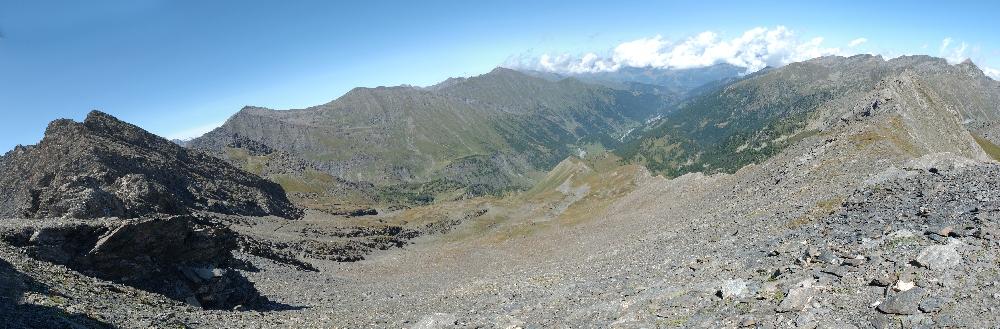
(820, 210)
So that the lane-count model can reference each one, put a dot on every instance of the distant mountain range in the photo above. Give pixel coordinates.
(502, 131)
(464, 137)
(677, 81)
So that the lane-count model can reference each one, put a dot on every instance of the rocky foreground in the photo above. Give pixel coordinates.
(915, 250)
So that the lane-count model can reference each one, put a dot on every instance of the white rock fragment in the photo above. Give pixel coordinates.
(436, 321)
(903, 285)
(939, 257)
(734, 288)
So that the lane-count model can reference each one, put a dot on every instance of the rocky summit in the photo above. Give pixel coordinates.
(104, 167)
(832, 193)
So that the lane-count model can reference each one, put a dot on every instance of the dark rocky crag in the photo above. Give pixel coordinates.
(81, 182)
(186, 258)
(104, 167)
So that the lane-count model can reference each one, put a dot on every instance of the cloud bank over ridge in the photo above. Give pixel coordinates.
(754, 50)
(992, 73)
(962, 51)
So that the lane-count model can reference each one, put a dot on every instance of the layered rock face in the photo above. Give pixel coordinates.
(104, 167)
(182, 257)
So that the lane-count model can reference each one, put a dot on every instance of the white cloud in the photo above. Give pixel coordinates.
(856, 42)
(194, 132)
(955, 55)
(992, 73)
(945, 43)
(754, 50)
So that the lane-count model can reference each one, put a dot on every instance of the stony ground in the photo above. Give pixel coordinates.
(914, 249)
(886, 260)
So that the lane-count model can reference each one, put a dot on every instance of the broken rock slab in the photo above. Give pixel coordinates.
(797, 300)
(904, 303)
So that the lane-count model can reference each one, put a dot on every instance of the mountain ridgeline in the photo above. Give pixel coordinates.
(464, 137)
(752, 119)
(504, 130)
(676, 81)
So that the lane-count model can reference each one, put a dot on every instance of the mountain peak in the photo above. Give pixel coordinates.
(96, 115)
(105, 167)
(503, 70)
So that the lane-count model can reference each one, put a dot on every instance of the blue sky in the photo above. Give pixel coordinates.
(177, 68)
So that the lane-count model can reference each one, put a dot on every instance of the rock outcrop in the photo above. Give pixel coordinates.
(104, 167)
(182, 257)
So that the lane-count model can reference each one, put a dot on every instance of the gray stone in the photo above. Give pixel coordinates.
(939, 257)
(881, 321)
(854, 262)
(191, 300)
(209, 273)
(812, 252)
(199, 274)
(933, 304)
(903, 303)
(748, 320)
(942, 230)
(190, 274)
(914, 321)
(828, 257)
(683, 301)
(884, 280)
(938, 238)
(797, 300)
(436, 321)
(804, 319)
(753, 288)
(949, 321)
(837, 270)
